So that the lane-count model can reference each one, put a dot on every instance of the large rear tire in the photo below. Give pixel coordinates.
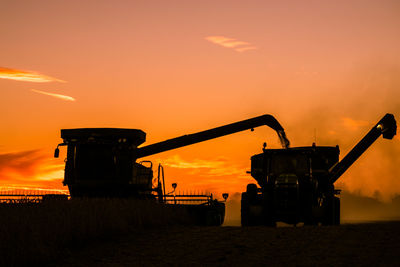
(248, 200)
(244, 210)
(336, 207)
(331, 211)
(268, 211)
(251, 210)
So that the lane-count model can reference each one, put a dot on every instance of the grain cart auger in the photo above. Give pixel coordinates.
(297, 184)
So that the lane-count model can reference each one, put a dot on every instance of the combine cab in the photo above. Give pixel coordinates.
(101, 162)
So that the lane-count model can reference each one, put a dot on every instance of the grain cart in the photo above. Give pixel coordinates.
(297, 184)
(106, 162)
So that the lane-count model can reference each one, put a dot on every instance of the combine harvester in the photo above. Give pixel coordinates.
(105, 162)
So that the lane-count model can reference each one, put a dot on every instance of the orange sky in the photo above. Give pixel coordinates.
(177, 67)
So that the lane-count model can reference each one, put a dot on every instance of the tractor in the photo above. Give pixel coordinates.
(297, 184)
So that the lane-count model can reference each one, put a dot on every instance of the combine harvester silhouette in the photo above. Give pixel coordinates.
(106, 162)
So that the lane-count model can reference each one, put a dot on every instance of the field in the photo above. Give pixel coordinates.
(370, 244)
(39, 233)
(106, 232)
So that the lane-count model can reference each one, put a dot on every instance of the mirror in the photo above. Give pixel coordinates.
(225, 196)
(56, 152)
(174, 185)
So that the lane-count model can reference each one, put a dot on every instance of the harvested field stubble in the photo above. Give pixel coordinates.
(369, 244)
(36, 233)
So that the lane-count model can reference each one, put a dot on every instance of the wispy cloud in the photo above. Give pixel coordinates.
(25, 167)
(62, 97)
(353, 124)
(26, 76)
(242, 49)
(218, 167)
(35, 77)
(239, 46)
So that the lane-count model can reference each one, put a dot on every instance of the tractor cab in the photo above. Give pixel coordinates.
(274, 166)
(288, 180)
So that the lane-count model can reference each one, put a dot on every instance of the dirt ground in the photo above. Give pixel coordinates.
(369, 244)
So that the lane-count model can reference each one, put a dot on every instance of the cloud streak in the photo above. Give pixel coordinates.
(27, 168)
(232, 43)
(353, 124)
(26, 76)
(219, 167)
(59, 96)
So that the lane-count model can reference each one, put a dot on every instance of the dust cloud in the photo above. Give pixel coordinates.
(355, 208)
(358, 208)
(343, 116)
(232, 212)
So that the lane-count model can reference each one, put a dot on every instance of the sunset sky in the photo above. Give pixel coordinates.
(327, 70)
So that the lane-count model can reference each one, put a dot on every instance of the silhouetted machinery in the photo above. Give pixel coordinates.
(103, 162)
(297, 184)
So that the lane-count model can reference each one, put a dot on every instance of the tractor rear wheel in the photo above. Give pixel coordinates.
(251, 210)
(244, 210)
(336, 212)
(331, 211)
